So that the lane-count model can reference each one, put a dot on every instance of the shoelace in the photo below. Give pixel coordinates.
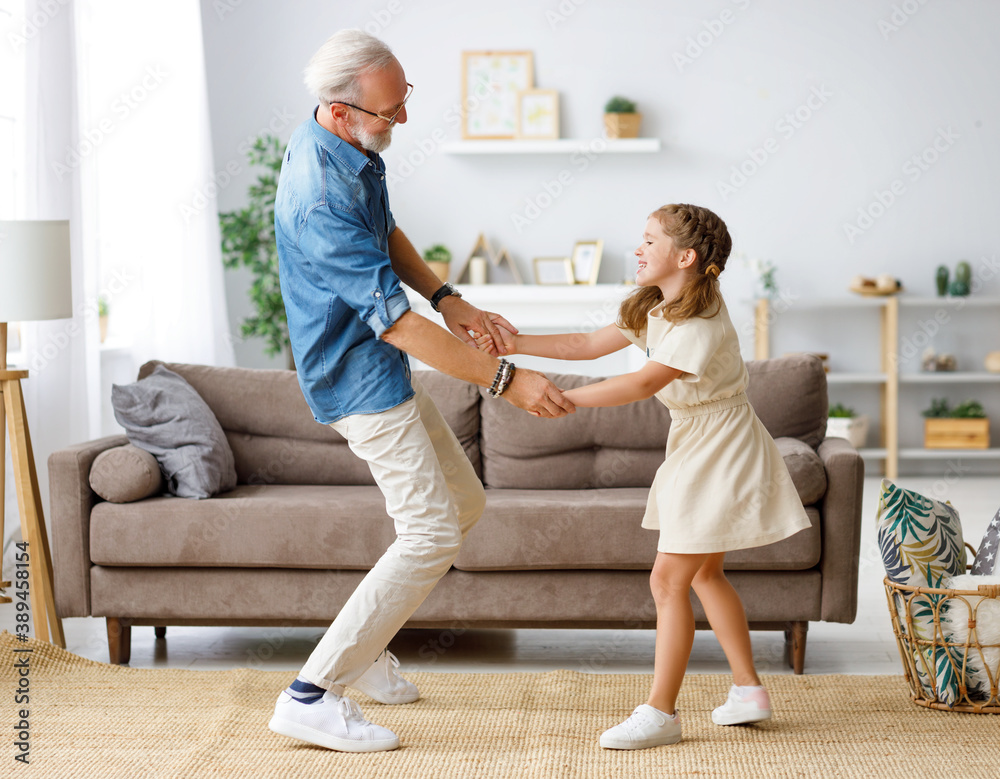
(350, 710)
(641, 716)
(391, 658)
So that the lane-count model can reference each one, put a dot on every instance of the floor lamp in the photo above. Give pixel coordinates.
(35, 284)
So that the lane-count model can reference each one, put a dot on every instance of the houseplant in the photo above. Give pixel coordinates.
(843, 422)
(621, 119)
(439, 259)
(248, 241)
(964, 426)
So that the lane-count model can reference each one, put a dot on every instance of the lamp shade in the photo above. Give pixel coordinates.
(35, 274)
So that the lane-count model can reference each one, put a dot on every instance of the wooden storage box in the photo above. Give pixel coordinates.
(956, 433)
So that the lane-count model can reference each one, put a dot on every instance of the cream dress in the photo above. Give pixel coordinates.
(723, 484)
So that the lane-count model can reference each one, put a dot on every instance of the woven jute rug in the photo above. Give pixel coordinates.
(88, 719)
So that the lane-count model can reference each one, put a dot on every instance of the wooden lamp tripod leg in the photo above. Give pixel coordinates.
(3, 456)
(32, 518)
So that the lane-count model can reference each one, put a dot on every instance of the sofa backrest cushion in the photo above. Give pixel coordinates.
(276, 440)
(623, 446)
(789, 396)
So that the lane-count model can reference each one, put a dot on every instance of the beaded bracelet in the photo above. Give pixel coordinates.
(503, 378)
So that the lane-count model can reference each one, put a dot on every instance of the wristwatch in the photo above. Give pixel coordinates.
(446, 290)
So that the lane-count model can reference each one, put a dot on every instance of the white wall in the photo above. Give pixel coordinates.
(886, 80)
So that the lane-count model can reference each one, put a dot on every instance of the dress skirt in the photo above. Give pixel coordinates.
(723, 484)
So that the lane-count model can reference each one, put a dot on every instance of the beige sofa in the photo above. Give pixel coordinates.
(559, 544)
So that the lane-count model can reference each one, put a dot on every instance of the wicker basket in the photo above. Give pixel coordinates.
(924, 659)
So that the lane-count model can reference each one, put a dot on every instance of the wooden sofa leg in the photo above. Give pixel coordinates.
(160, 631)
(795, 645)
(119, 641)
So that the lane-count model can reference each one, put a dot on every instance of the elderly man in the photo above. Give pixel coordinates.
(341, 260)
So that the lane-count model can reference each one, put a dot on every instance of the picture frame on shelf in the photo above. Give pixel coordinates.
(553, 270)
(537, 114)
(491, 83)
(587, 261)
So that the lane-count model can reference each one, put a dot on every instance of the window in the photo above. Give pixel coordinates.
(12, 107)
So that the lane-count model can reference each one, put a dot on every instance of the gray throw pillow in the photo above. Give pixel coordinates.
(166, 416)
(985, 563)
(126, 474)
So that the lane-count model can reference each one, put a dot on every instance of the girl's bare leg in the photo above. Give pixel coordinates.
(727, 617)
(670, 583)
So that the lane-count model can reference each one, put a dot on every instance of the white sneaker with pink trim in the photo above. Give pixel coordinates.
(743, 706)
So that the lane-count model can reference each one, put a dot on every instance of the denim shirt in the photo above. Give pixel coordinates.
(332, 224)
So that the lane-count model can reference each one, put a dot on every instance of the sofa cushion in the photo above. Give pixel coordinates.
(273, 525)
(276, 440)
(126, 474)
(287, 526)
(789, 396)
(595, 447)
(163, 414)
(525, 530)
(805, 467)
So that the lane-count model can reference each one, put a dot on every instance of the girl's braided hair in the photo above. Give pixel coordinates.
(691, 227)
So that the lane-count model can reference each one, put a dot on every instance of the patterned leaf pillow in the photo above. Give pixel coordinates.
(921, 544)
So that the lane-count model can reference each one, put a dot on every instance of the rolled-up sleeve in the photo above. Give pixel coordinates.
(345, 256)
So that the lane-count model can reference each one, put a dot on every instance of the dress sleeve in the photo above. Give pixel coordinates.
(638, 340)
(688, 346)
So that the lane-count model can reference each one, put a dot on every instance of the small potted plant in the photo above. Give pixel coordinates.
(621, 119)
(964, 426)
(439, 259)
(843, 422)
(102, 317)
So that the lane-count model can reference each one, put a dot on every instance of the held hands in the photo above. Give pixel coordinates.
(487, 343)
(477, 328)
(532, 392)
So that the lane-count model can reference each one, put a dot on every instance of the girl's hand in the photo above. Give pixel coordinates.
(485, 342)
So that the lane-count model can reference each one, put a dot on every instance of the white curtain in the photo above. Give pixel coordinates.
(119, 143)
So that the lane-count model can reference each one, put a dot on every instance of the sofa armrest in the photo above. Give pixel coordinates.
(840, 510)
(71, 500)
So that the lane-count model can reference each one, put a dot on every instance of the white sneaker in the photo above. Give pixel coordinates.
(743, 706)
(333, 721)
(647, 727)
(382, 683)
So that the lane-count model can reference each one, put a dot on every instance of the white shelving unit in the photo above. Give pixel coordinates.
(556, 146)
(890, 379)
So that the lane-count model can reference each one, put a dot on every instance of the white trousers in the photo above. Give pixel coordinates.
(434, 498)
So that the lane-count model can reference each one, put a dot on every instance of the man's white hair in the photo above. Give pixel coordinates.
(332, 73)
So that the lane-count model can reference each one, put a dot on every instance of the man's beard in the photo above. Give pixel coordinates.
(374, 142)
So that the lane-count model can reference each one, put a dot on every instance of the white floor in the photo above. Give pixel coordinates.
(865, 647)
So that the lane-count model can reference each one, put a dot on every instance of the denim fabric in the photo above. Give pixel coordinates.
(332, 223)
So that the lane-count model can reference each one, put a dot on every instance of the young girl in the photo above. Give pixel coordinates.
(723, 484)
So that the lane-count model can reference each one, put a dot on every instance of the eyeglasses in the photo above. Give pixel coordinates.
(390, 120)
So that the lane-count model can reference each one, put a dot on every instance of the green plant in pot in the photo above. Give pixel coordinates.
(248, 241)
(844, 422)
(439, 259)
(962, 285)
(621, 120)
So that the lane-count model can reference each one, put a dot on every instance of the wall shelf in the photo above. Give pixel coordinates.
(950, 377)
(555, 146)
(890, 380)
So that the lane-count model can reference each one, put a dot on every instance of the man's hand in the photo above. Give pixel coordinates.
(531, 391)
(469, 323)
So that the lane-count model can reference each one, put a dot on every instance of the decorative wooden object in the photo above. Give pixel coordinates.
(500, 260)
(956, 433)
